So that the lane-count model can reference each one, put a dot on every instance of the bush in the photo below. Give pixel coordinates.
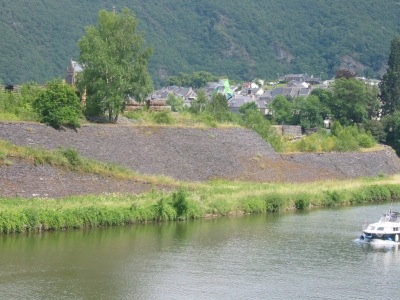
(165, 211)
(302, 203)
(163, 117)
(332, 198)
(72, 156)
(58, 106)
(366, 141)
(274, 202)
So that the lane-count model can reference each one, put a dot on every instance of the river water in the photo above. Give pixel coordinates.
(308, 255)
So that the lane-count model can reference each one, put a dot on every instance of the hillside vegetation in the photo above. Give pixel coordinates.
(238, 39)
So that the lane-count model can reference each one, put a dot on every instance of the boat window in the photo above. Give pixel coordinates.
(396, 229)
(380, 229)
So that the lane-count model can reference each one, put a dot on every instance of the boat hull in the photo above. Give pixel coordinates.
(385, 237)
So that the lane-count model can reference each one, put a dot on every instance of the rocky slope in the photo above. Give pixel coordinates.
(183, 153)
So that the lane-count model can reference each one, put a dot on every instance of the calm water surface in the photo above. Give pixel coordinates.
(311, 255)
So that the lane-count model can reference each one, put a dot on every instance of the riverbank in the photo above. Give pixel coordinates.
(213, 199)
(114, 175)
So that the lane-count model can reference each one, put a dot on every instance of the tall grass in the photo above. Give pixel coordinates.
(217, 198)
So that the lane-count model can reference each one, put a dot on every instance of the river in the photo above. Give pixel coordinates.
(295, 255)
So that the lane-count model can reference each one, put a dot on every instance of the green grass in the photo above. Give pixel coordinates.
(70, 159)
(192, 201)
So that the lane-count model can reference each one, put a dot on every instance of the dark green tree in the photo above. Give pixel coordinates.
(195, 80)
(58, 105)
(248, 106)
(199, 104)
(115, 59)
(176, 103)
(282, 110)
(391, 125)
(218, 107)
(390, 84)
(350, 101)
(309, 111)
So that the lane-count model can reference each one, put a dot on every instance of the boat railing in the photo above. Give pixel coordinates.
(390, 217)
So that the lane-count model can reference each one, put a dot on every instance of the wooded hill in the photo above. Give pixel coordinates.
(240, 39)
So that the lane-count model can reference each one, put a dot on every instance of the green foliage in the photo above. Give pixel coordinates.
(275, 202)
(377, 130)
(254, 205)
(352, 101)
(253, 119)
(195, 80)
(218, 108)
(248, 106)
(18, 105)
(73, 157)
(302, 203)
(390, 84)
(58, 105)
(162, 117)
(310, 112)
(115, 61)
(207, 119)
(333, 198)
(19, 215)
(199, 104)
(375, 193)
(366, 140)
(341, 139)
(185, 209)
(176, 103)
(282, 110)
(204, 35)
(391, 123)
(165, 211)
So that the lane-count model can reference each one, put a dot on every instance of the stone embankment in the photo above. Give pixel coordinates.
(183, 153)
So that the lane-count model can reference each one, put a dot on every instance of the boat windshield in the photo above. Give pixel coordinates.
(391, 217)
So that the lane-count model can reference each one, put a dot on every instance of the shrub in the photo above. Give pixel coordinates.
(58, 106)
(366, 141)
(332, 198)
(274, 202)
(163, 117)
(165, 211)
(254, 205)
(302, 203)
(72, 156)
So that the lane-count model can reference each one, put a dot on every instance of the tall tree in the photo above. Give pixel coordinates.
(390, 84)
(351, 101)
(310, 112)
(114, 59)
(282, 110)
(199, 104)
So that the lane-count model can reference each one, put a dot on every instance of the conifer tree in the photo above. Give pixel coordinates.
(390, 85)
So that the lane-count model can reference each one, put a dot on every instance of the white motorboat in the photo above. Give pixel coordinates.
(386, 230)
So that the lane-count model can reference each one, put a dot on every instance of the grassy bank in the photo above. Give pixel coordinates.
(212, 199)
(187, 201)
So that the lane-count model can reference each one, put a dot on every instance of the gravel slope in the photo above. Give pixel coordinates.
(182, 153)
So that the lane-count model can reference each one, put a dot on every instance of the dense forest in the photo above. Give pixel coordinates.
(241, 39)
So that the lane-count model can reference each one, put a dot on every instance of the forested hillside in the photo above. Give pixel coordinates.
(241, 39)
